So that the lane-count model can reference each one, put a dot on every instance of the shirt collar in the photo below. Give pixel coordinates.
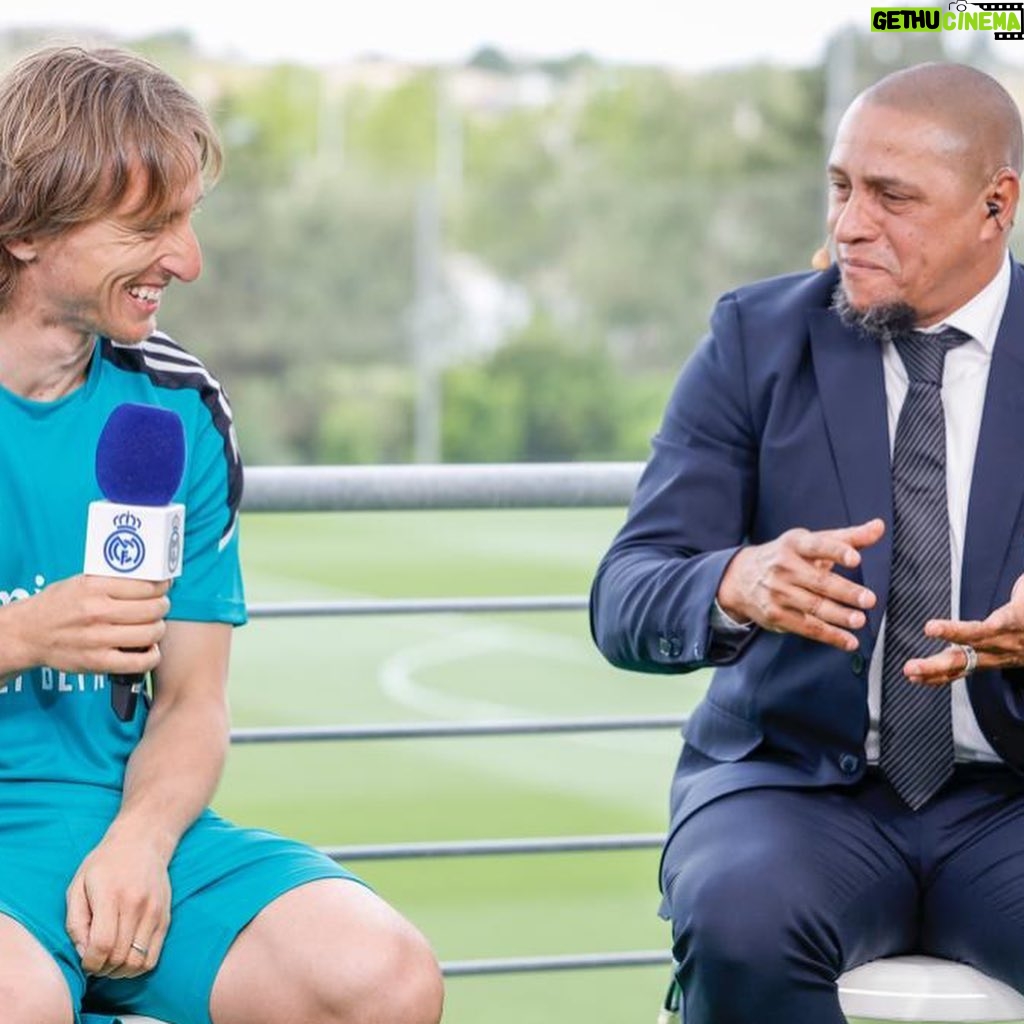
(980, 317)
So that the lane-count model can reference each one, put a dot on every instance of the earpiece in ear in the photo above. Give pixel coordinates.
(993, 212)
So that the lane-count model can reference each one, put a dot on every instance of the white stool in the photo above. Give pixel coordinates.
(921, 988)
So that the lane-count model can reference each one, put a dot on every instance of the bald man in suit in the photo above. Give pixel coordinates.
(774, 536)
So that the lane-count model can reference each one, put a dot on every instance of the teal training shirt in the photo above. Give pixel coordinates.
(59, 726)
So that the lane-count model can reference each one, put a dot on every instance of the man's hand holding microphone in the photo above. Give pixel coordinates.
(110, 619)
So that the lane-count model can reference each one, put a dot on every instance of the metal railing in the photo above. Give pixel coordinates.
(390, 488)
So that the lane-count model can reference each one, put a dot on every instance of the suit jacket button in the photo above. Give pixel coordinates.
(664, 646)
(857, 664)
(849, 763)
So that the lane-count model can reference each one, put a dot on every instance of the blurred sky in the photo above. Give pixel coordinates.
(680, 33)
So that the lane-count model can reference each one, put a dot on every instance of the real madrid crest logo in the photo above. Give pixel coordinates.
(124, 549)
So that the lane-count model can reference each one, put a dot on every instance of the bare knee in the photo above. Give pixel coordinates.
(398, 982)
(32, 988)
(329, 952)
(424, 999)
(25, 1002)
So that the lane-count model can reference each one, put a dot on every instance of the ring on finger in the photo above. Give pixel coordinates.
(970, 657)
(141, 950)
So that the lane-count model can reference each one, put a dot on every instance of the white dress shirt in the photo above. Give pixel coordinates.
(964, 379)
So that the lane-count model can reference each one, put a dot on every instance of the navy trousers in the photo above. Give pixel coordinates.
(773, 893)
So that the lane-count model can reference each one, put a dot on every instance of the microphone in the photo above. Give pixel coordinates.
(136, 532)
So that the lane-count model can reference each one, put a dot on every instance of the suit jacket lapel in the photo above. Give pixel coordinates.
(851, 383)
(997, 486)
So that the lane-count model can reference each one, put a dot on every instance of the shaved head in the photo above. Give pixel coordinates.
(979, 116)
(924, 183)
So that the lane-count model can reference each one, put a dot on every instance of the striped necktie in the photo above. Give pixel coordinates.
(916, 722)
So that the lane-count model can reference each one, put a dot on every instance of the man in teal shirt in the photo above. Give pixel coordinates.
(119, 890)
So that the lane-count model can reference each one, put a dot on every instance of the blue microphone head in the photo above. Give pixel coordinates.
(140, 456)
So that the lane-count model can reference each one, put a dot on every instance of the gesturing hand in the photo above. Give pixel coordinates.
(788, 585)
(998, 641)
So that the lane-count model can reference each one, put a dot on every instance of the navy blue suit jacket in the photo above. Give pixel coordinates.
(779, 421)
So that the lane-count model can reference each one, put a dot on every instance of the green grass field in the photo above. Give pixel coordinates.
(462, 667)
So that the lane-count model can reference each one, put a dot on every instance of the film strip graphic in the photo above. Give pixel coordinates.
(1018, 7)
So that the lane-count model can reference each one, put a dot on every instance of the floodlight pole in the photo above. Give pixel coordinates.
(427, 418)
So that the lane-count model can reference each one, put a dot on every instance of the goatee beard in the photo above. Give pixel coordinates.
(884, 323)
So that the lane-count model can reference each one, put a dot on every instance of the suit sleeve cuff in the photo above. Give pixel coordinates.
(722, 622)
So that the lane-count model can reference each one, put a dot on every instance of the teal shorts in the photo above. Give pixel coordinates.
(221, 877)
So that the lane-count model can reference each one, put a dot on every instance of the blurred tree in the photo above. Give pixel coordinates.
(367, 416)
(621, 201)
(394, 134)
(269, 120)
(490, 58)
(300, 276)
(542, 397)
(297, 281)
(642, 195)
